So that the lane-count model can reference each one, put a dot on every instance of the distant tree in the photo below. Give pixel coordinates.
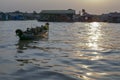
(84, 12)
(34, 12)
(70, 9)
(17, 11)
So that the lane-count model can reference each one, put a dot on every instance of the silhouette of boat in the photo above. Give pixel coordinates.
(33, 33)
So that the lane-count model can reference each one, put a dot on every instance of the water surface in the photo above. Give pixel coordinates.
(74, 51)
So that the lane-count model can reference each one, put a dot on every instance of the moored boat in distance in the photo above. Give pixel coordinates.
(33, 33)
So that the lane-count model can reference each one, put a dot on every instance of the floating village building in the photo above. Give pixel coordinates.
(3, 16)
(57, 15)
(113, 17)
(15, 15)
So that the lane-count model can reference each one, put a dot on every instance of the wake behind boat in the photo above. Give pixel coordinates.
(33, 33)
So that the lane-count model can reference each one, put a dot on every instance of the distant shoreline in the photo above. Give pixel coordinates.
(60, 16)
(55, 22)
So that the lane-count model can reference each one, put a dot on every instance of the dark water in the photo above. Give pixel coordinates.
(74, 51)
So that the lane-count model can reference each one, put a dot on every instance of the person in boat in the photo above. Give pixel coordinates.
(41, 28)
(46, 27)
(28, 31)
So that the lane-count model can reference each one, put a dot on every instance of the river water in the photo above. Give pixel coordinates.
(73, 51)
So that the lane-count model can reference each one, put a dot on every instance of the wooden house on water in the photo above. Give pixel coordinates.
(57, 15)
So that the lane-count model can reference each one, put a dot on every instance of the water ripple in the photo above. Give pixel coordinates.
(74, 51)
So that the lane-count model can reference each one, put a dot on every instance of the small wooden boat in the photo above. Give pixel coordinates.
(33, 33)
(29, 36)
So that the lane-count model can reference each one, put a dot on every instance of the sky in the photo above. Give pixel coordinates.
(91, 6)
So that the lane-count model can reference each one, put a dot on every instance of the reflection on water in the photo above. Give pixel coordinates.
(74, 51)
(23, 44)
(94, 32)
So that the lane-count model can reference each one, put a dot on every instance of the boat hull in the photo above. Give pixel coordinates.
(32, 37)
